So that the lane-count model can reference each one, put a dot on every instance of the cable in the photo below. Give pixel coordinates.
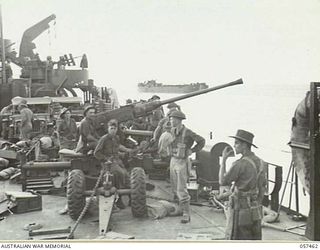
(84, 210)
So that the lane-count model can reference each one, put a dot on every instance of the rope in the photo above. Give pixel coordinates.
(55, 30)
(214, 199)
(84, 210)
(49, 36)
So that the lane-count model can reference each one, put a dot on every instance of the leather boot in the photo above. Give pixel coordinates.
(186, 212)
(120, 204)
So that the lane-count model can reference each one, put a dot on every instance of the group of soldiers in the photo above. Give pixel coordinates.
(175, 143)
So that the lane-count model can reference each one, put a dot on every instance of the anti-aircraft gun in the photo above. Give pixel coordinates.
(87, 173)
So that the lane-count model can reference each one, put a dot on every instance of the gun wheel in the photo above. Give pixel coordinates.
(138, 192)
(75, 193)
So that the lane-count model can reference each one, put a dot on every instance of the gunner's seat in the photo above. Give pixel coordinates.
(68, 154)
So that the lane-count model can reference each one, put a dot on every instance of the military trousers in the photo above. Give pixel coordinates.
(179, 175)
(121, 177)
(25, 131)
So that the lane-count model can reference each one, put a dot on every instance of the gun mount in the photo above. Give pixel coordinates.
(133, 111)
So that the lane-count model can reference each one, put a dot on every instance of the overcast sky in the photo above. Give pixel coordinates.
(213, 41)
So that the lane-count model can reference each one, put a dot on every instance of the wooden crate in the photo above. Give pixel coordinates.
(25, 201)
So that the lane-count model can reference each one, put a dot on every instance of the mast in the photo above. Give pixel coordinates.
(3, 56)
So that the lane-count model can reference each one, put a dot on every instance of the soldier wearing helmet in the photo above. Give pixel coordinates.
(89, 137)
(67, 129)
(161, 125)
(182, 148)
(156, 115)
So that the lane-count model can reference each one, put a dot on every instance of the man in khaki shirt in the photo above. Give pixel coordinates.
(26, 121)
(248, 174)
(182, 147)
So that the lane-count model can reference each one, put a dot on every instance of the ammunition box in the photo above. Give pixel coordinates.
(25, 201)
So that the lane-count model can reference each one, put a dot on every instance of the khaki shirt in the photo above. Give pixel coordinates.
(26, 117)
(243, 173)
(87, 128)
(107, 146)
(190, 138)
(67, 131)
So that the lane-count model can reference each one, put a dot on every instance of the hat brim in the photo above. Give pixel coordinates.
(89, 107)
(22, 105)
(62, 113)
(180, 118)
(242, 139)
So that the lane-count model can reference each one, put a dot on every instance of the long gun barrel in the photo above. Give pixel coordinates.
(200, 92)
(148, 107)
(132, 111)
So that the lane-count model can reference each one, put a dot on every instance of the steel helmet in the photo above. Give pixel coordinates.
(178, 114)
(172, 105)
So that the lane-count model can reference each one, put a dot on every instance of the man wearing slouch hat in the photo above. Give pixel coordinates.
(248, 177)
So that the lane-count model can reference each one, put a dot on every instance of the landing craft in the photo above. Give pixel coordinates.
(153, 87)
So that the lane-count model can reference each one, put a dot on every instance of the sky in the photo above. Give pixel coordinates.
(178, 41)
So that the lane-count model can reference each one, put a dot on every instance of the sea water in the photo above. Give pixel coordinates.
(264, 110)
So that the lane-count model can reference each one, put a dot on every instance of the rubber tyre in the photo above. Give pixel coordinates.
(75, 193)
(138, 192)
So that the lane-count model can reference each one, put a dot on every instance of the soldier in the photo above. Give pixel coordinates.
(89, 137)
(182, 148)
(4, 120)
(247, 173)
(110, 150)
(161, 125)
(7, 110)
(26, 121)
(50, 65)
(67, 129)
(84, 62)
(8, 70)
(165, 140)
(61, 63)
(156, 115)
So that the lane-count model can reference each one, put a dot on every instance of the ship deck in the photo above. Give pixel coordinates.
(207, 223)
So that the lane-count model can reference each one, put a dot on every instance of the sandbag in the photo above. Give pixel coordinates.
(7, 173)
(269, 216)
(46, 142)
(161, 209)
(3, 163)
